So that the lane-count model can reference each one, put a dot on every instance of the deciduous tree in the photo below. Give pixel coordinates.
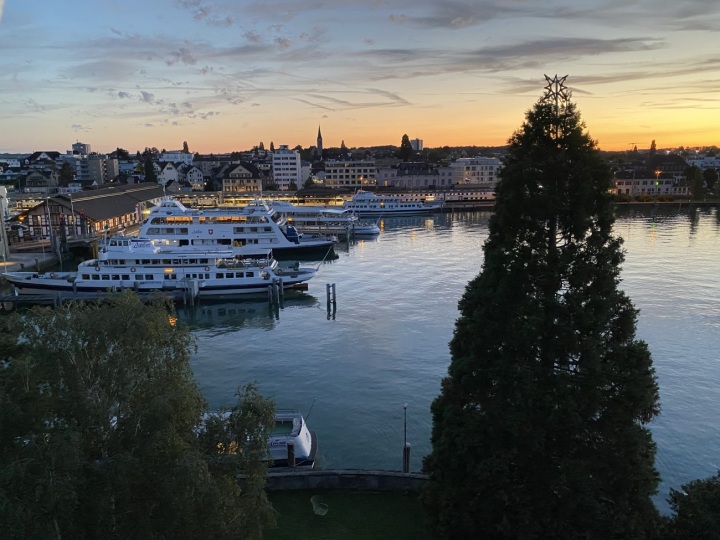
(538, 431)
(99, 423)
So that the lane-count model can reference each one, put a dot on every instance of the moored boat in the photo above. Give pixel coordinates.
(324, 220)
(368, 204)
(135, 263)
(254, 227)
(291, 443)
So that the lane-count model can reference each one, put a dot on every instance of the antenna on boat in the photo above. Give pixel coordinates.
(311, 408)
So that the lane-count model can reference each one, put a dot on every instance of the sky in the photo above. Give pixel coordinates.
(227, 75)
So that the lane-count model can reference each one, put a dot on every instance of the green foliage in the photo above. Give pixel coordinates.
(405, 152)
(697, 510)
(99, 415)
(67, 174)
(149, 169)
(538, 430)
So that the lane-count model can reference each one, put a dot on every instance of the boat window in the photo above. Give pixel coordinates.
(116, 277)
(126, 276)
(148, 277)
(86, 276)
(249, 274)
(229, 275)
(219, 275)
(95, 277)
(239, 274)
(105, 277)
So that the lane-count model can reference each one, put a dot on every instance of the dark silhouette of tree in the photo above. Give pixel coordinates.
(538, 430)
(67, 174)
(272, 146)
(710, 176)
(149, 169)
(653, 148)
(186, 149)
(101, 434)
(406, 150)
(697, 510)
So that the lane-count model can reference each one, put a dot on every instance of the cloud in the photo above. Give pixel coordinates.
(183, 55)
(124, 95)
(147, 97)
(79, 127)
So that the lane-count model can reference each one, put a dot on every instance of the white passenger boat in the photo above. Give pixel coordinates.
(330, 220)
(254, 227)
(368, 204)
(135, 263)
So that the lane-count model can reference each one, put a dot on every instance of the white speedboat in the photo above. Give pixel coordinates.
(291, 443)
(135, 263)
(254, 227)
(368, 204)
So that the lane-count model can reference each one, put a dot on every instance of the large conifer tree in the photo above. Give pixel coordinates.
(538, 431)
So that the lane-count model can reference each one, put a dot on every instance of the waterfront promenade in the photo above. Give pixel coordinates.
(27, 260)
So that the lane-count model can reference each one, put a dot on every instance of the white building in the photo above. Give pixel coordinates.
(416, 144)
(351, 174)
(286, 168)
(176, 156)
(480, 171)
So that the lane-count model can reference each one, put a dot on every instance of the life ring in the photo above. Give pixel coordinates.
(210, 231)
(261, 267)
(132, 269)
(207, 268)
(52, 275)
(97, 268)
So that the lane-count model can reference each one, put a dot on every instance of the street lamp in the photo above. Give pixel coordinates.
(657, 181)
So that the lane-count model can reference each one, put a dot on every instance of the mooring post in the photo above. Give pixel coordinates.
(406, 445)
(291, 454)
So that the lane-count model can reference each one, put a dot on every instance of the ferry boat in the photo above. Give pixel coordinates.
(135, 263)
(324, 220)
(254, 227)
(368, 204)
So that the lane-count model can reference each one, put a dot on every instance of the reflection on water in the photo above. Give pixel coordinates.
(221, 317)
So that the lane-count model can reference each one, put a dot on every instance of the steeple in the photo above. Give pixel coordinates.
(319, 143)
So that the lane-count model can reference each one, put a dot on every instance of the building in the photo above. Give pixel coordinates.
(477, 171)
(177, 156)
(286, 168)
(650, 183)
(351, 174)
(81, 149)
(101, 169)
(89, 212)
(241, 177)
(416, 144)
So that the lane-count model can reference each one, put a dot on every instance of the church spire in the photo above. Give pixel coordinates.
(319, 143)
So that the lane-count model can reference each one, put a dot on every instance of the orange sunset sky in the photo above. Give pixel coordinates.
(226, 75)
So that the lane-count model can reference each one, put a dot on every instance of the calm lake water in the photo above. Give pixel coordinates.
(386, 344)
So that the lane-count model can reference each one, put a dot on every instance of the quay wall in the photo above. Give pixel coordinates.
(344, 480)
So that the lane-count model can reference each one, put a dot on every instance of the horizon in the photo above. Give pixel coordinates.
(452, 73)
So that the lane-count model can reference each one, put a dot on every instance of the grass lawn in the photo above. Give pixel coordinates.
(349, 516)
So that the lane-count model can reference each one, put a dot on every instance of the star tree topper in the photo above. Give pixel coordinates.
(556, 88)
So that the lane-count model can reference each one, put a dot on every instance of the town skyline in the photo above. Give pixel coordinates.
(225, 77)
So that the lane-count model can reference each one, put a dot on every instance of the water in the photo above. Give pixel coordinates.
(387, 343)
